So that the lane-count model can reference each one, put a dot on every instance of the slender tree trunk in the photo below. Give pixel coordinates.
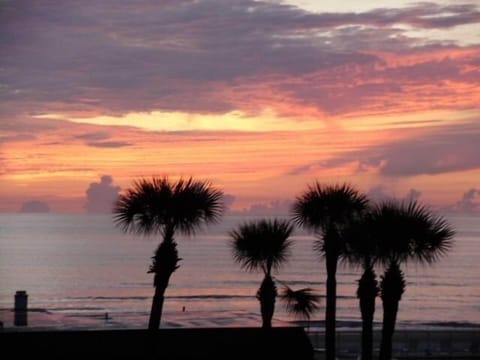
(367, 292)
(266, 296)
(331, 306)
(390, 310)
(156, 309)
(164, 263)
(392, 288)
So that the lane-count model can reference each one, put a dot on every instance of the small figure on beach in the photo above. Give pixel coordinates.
(183, 309)
(107, 317)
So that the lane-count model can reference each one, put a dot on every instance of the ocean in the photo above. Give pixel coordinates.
(79, 270)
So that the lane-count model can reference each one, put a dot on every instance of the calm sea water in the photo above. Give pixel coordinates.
(81, 266)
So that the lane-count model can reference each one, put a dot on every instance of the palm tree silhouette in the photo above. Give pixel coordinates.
(263, 245)
(405, 232)
(362, 250)
(328, 210)
(301, 303)
(159, 206)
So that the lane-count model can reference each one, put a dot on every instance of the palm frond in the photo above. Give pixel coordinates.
(302, 303)
(361, 246)
(195, 203)
(432, 235)
(151, 206)
(321, 206)
(410, 232)
(261, 244)
(137, 209)
(328, 210)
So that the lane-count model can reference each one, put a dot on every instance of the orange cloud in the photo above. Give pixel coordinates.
(260, 102)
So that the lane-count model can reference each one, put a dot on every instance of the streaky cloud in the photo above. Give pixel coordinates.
(93, 136)
(109, 144)
(446, 149)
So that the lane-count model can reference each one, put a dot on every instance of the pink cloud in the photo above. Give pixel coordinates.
(101, 196)
(115, 58)
(443, 149)
(470, 201)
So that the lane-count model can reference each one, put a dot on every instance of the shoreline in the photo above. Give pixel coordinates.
(40, 318)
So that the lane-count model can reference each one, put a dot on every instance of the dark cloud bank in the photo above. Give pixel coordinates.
(122, 56)
(34, 206)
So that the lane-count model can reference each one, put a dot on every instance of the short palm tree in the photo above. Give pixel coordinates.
(160, 206)
(405, 232)
(263, 245)
(328, 210)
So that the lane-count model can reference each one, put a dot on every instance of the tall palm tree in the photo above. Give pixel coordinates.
(263, 245)
(328, 210)
(405, 232)
(160, 206)
(362, 250)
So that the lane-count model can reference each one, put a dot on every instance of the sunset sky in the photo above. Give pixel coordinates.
(261, 98)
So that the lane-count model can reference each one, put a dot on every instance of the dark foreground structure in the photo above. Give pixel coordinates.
(174, 344)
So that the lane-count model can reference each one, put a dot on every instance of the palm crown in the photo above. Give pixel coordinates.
(328, 210)
(409, 232)
(262, 245)
(159, 205)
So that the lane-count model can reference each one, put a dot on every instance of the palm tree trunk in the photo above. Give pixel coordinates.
(392, 288)
(267, 295)
(164, 263)
(390, 310)
(367, 292)
(157, 307)
(331, 306)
